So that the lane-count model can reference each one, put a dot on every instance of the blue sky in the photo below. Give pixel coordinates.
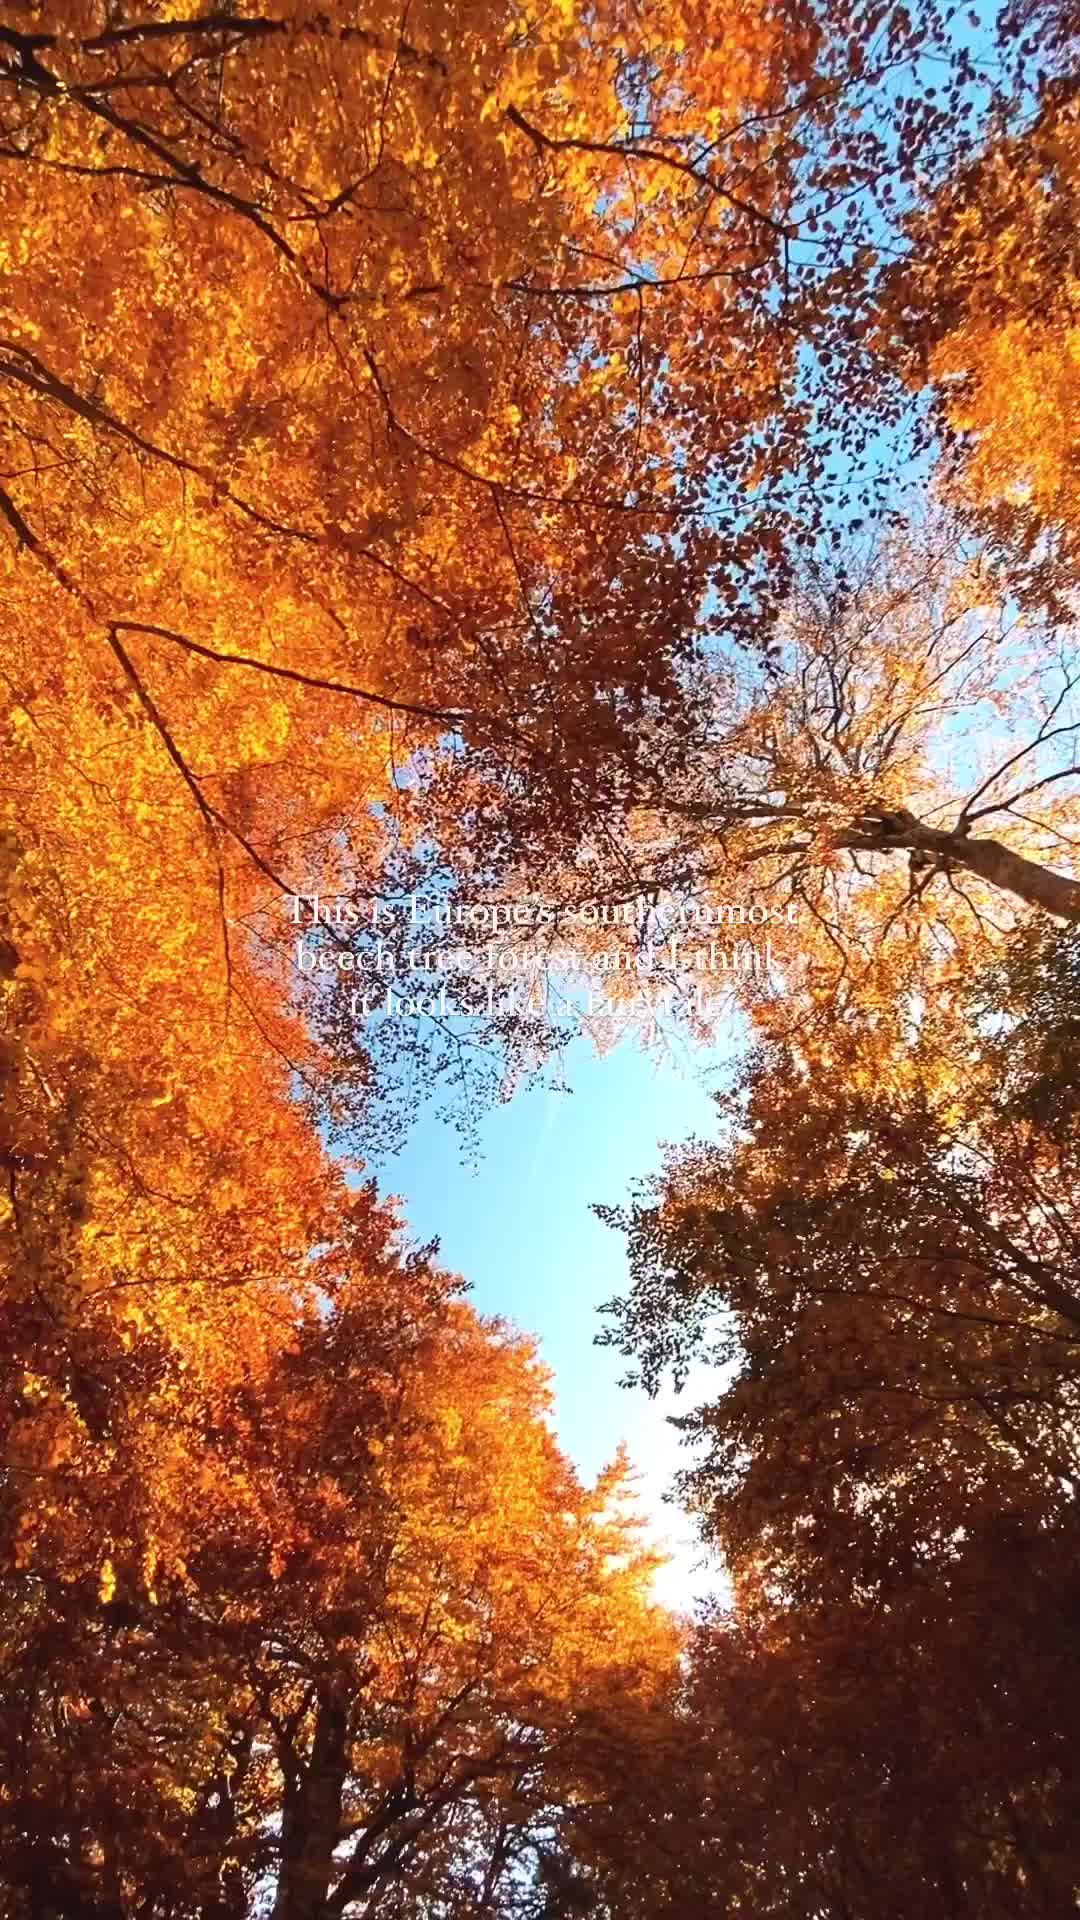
(520, 1229)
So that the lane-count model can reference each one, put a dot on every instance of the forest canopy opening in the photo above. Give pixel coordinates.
(526, 526)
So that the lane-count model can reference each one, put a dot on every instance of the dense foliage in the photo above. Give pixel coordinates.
(593, 454)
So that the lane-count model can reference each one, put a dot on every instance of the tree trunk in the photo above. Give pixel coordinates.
(886, 832)
(312, 1820)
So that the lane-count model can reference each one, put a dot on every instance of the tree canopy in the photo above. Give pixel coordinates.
(586, 456)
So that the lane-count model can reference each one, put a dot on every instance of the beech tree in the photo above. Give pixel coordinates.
(421, 443)
(983, 309)
(363, 1636)
(886, 1259)
(894, 1759)
(881, 1264)
(414, 549)
(433, 453)
(885, 804)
